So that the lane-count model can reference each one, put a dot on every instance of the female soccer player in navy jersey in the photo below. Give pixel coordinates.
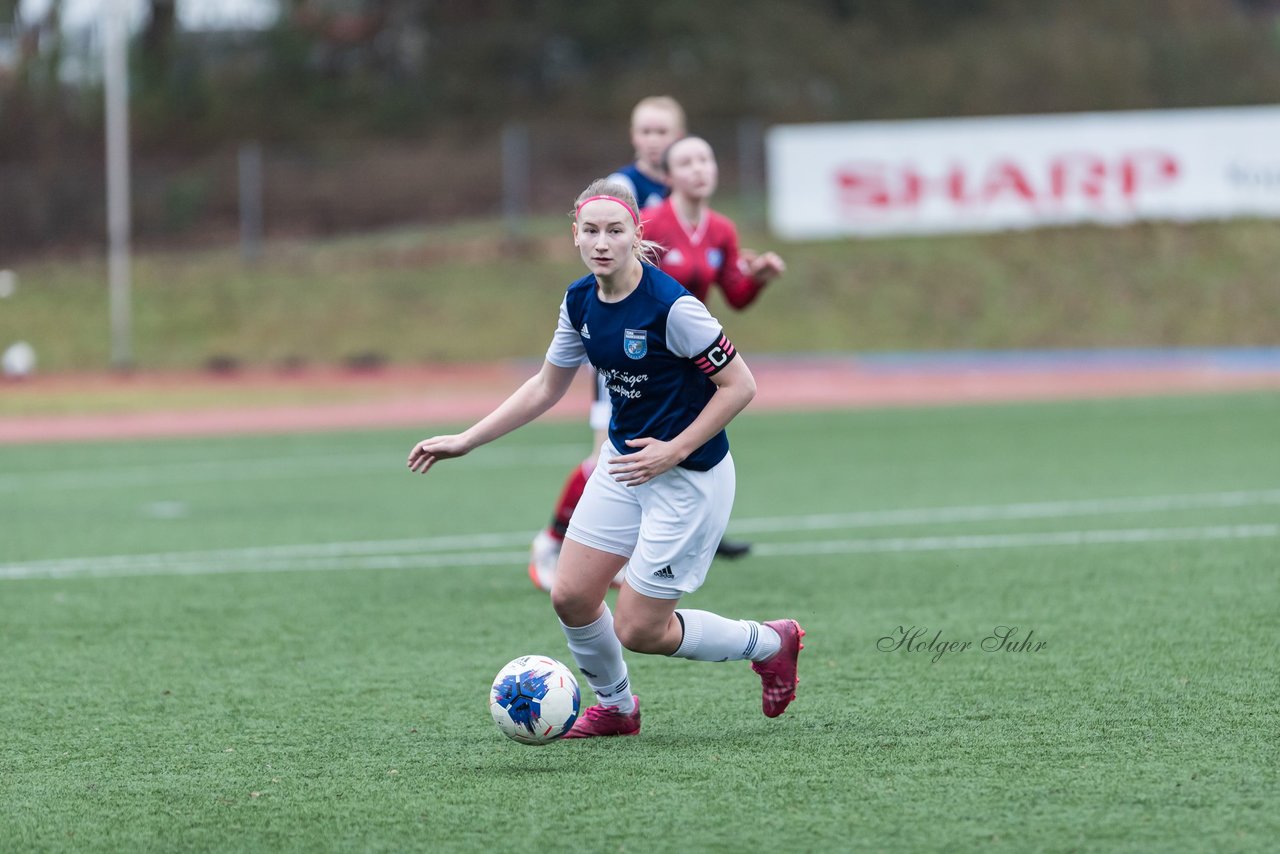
(656, 122)
(659, 498)
(699, 248)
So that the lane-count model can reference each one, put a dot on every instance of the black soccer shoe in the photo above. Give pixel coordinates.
(733, 549)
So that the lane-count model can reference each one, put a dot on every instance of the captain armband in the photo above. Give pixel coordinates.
(713, 359)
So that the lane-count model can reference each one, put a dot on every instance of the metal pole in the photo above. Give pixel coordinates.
(250, 163)
(515, 177)
(750, 166)
(115, 75)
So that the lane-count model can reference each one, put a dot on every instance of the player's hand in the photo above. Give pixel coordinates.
(428, 452)
(766, 266)
(653, 458)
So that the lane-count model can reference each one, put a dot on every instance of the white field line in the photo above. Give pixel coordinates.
(1096, 536)
(147, 564)
(998, 512)
(459, 550)
(273, 468)
(460, 560)
(262, 555)
(514, 559)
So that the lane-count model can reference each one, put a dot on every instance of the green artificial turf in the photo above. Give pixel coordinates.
(284, 644)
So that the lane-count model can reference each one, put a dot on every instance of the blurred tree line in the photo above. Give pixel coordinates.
(344, 72)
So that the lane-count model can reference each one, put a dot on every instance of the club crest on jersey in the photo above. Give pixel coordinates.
(715, 258)
(635, 343)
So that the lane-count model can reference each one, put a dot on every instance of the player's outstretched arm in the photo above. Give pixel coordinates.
(745, 273)
(538, 394)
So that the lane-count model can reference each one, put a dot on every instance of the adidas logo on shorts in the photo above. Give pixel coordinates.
(665, 572)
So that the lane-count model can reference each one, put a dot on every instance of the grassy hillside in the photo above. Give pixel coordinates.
(463, 292)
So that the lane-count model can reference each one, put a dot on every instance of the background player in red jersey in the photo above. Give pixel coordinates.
(700, 248)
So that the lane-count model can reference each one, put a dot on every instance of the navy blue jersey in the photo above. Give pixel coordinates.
(656, 349)
(647, 191)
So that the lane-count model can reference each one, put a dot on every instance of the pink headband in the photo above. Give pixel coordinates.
(578, 210)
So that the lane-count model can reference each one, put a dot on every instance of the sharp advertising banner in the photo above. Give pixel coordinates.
(986, 174)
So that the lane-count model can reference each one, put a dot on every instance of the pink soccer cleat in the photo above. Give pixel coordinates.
(605, 720)
(778, 672)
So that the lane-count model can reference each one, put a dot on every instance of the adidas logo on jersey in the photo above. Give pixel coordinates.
(586, 333)
(665, 572)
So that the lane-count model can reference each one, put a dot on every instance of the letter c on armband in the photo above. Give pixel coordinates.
(711, 360)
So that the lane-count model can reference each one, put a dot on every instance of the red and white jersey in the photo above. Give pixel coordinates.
(698, 257)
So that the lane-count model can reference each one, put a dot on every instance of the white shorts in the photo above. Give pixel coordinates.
(601, 408)
(668, 527)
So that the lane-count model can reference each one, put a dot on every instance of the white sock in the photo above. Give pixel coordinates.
(710, 637)
(598, 654)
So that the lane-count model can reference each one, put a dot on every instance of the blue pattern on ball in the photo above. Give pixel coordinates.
(521, 697)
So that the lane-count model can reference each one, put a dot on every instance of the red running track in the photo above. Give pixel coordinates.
(425, 396)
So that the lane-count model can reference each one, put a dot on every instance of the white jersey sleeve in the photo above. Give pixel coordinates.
(690, 327)
(566, 350)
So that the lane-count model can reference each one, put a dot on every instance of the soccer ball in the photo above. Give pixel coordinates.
(534, 699)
